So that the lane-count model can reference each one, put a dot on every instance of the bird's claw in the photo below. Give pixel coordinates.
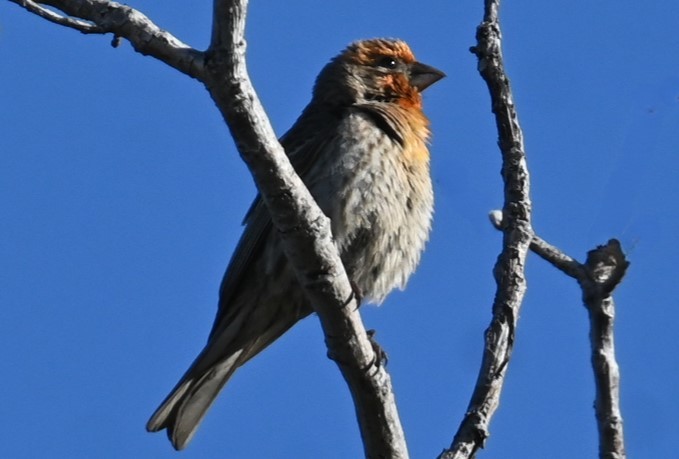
(358, 294)
(381, 356)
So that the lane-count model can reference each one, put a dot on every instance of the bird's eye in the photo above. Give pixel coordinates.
(388, 62)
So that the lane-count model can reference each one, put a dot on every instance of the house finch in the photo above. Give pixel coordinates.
(360, 146)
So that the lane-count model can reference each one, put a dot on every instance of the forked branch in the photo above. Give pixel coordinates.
(598, 277)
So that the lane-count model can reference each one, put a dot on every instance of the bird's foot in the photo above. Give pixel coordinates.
(381, 356)
(358, 294)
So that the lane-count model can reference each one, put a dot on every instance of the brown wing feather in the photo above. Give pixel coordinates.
(302, 154)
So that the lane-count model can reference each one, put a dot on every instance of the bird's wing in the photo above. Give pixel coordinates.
(303, 144)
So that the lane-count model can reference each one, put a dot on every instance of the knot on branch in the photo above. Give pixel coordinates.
(606, 266)
(495, 217)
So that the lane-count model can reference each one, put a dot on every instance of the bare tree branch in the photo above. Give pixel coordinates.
(101, 17)
(510, 267)
(605, 268)
(557, 258)
(45, 13)
(598, 277)
(306, 233)
(546, 251)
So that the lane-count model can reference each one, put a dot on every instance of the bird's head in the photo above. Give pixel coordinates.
(375, 70)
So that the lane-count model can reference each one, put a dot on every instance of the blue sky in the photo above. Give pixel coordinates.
(122, 195)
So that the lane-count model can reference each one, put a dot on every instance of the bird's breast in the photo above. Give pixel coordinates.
(378, 193)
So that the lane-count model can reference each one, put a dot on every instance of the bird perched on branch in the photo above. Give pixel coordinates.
(360, 146)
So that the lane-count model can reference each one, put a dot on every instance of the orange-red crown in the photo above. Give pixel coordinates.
(366, 52)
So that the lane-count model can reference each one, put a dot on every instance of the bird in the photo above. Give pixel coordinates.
(361, 148)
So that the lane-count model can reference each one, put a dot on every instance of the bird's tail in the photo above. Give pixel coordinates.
(183, 410)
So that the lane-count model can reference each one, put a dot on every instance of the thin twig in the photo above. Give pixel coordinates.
(77, 24)
(546, 251)
(102, 17)
(305, 232)
(510, 267)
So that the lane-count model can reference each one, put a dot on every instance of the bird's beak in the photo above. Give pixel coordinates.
(422, 76)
